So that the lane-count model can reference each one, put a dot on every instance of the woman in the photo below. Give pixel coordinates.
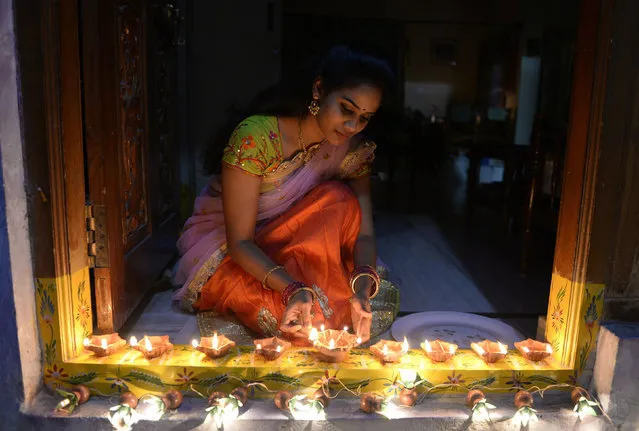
(284, 240)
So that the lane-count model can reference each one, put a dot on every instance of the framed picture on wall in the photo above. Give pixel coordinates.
(443, 52)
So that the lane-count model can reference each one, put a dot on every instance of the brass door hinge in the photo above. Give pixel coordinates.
(97, 236)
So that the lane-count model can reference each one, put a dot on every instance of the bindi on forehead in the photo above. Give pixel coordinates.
(352, 102)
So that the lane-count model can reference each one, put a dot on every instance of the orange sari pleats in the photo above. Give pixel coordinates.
(314, 241)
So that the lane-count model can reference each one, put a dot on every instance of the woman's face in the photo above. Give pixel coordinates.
(346, 112)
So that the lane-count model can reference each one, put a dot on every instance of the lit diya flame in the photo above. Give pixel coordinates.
(152, 346)
(439, 351)
(333, 345)
(389, 351)
(490, 351)
(215, 346)
(534, 350)
(194, 344)
(104, 345)
(312, 336)
(405, 345)
(271, 348)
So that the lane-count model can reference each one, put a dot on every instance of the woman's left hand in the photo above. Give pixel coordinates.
(361, 315)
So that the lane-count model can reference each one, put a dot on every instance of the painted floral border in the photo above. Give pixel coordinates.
(140, 380)
(588, 319)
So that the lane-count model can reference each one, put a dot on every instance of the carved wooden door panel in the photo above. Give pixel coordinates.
(131, 178)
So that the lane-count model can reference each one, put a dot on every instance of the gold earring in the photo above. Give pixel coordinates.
(314, 107)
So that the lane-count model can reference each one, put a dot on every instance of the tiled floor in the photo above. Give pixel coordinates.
(436, 264)
(161, 317)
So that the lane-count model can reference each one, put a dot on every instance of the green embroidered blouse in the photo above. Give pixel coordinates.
(255, 147)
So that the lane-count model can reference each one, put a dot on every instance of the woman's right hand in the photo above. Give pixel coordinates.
(296, 320)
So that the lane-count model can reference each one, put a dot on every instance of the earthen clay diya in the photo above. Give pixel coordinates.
(438, 350)
(333, 345)
(389, 351)
(271, 348)
(490, 351)
(104, 345)
(152, 347)
(215, 346)
(534, 350)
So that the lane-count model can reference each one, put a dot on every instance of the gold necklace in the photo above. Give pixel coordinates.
(300, 136)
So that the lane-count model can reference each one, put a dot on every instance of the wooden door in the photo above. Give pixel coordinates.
(129, 142)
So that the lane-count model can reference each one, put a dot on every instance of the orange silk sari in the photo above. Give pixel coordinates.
(314, 241)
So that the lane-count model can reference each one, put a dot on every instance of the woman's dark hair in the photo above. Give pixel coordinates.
(342, 67)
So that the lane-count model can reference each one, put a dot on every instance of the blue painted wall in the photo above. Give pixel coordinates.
(11, 394)
(11, 391)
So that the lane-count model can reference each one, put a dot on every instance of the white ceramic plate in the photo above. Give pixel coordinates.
(453, 327)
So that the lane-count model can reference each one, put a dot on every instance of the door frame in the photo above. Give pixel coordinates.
(64, 298)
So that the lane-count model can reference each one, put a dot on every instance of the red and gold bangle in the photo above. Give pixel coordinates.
(366, 271)
(293, 289)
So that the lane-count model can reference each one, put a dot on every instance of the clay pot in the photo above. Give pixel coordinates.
(214, 397)
(320, 396)
(281, 399)
(370, 403)
(241, 393)
(174, 399)
(523, 399)
(408, 397)
(129, 399)
(473, 397)
(82, 393)
(578, 393)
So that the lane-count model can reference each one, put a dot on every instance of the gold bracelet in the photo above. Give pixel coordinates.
(375, 284)
(271, 271)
